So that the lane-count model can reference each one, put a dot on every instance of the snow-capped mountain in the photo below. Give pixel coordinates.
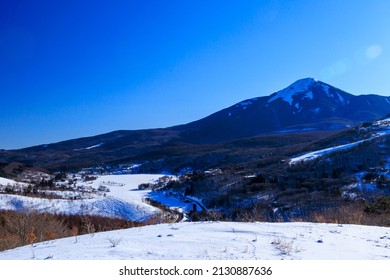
(307, 104)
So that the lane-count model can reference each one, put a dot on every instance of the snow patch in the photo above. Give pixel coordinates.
(89, 148)
(341, 99)
(245, 103)
(309, 95)
(317, 110)
(385, 123)
(327, 90)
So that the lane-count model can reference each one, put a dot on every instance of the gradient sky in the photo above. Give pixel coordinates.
(71, 69)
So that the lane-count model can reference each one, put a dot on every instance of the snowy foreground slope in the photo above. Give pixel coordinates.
(218, 241)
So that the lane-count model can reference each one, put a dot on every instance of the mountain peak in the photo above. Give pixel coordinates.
(299, 86)
(303, 84)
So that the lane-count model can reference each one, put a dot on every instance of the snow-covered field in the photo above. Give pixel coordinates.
(123, 200)
(218, 241)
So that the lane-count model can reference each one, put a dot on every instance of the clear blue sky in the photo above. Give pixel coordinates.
(71, 69)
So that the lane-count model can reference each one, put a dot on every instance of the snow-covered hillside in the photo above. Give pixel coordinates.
(378, 129)
(218, 240)
(120, 198)
(4, 182)
(324, 152)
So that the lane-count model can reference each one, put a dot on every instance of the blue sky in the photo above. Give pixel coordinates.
(71, 69)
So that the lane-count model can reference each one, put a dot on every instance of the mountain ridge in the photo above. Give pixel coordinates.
(305, 105)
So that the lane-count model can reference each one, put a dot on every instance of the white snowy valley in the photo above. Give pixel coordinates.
(182, 239)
